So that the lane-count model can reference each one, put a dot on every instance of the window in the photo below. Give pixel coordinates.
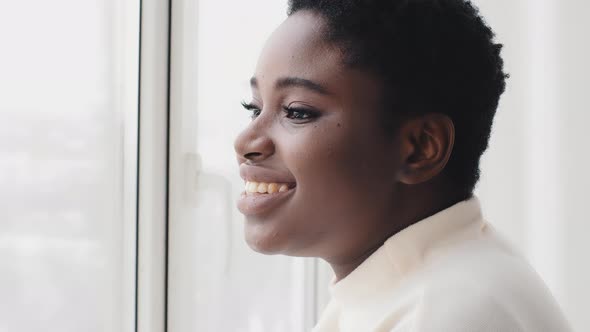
(68, 110)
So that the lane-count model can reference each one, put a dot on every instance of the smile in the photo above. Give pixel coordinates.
(261, 198)
(266, 188)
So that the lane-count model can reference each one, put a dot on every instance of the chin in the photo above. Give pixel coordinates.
(269, 245)
(263, 238)
(280, 236)
(265, 245)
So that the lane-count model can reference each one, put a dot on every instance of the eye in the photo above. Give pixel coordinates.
(295, 113)
(255, 110)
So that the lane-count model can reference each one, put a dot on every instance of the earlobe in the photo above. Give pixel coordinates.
(427, 144)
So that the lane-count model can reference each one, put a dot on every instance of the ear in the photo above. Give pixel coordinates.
(426, 145)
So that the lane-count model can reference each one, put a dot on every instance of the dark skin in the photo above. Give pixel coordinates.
(356, 184)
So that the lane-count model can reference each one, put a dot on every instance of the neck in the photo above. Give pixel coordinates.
(344, 268)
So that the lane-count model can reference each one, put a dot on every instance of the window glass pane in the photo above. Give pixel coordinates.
(68, 122)
(217, 283)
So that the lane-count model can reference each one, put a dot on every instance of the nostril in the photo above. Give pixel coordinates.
(252, 155)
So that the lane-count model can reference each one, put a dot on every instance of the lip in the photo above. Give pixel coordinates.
(263, 174)
(255, 204)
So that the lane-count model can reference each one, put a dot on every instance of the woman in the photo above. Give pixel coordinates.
(368, 122)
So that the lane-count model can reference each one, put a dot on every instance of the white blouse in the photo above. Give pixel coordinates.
(449, 272)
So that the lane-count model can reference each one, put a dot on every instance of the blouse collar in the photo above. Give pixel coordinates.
(407, 250)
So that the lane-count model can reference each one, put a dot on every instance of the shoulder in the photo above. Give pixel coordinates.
(483, 286)
(459, 309)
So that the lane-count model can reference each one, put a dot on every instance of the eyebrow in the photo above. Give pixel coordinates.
(286, 82)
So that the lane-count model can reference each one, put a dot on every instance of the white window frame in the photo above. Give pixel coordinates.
(152, 201)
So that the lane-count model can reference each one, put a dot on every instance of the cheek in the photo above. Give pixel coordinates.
(351, 152)
(339, 164)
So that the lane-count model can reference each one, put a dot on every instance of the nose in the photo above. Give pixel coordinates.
(253, 144)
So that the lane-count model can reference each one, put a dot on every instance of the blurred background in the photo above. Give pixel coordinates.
(118, 176)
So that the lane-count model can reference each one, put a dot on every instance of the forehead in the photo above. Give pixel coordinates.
(297, 49)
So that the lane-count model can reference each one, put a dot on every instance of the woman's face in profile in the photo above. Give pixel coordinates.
(316, 130)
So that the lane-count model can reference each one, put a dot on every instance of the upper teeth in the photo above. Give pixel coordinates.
(264, 188)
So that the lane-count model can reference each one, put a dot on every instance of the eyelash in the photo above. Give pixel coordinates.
(307, 114)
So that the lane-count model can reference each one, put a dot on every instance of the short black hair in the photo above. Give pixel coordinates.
(433, 56)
